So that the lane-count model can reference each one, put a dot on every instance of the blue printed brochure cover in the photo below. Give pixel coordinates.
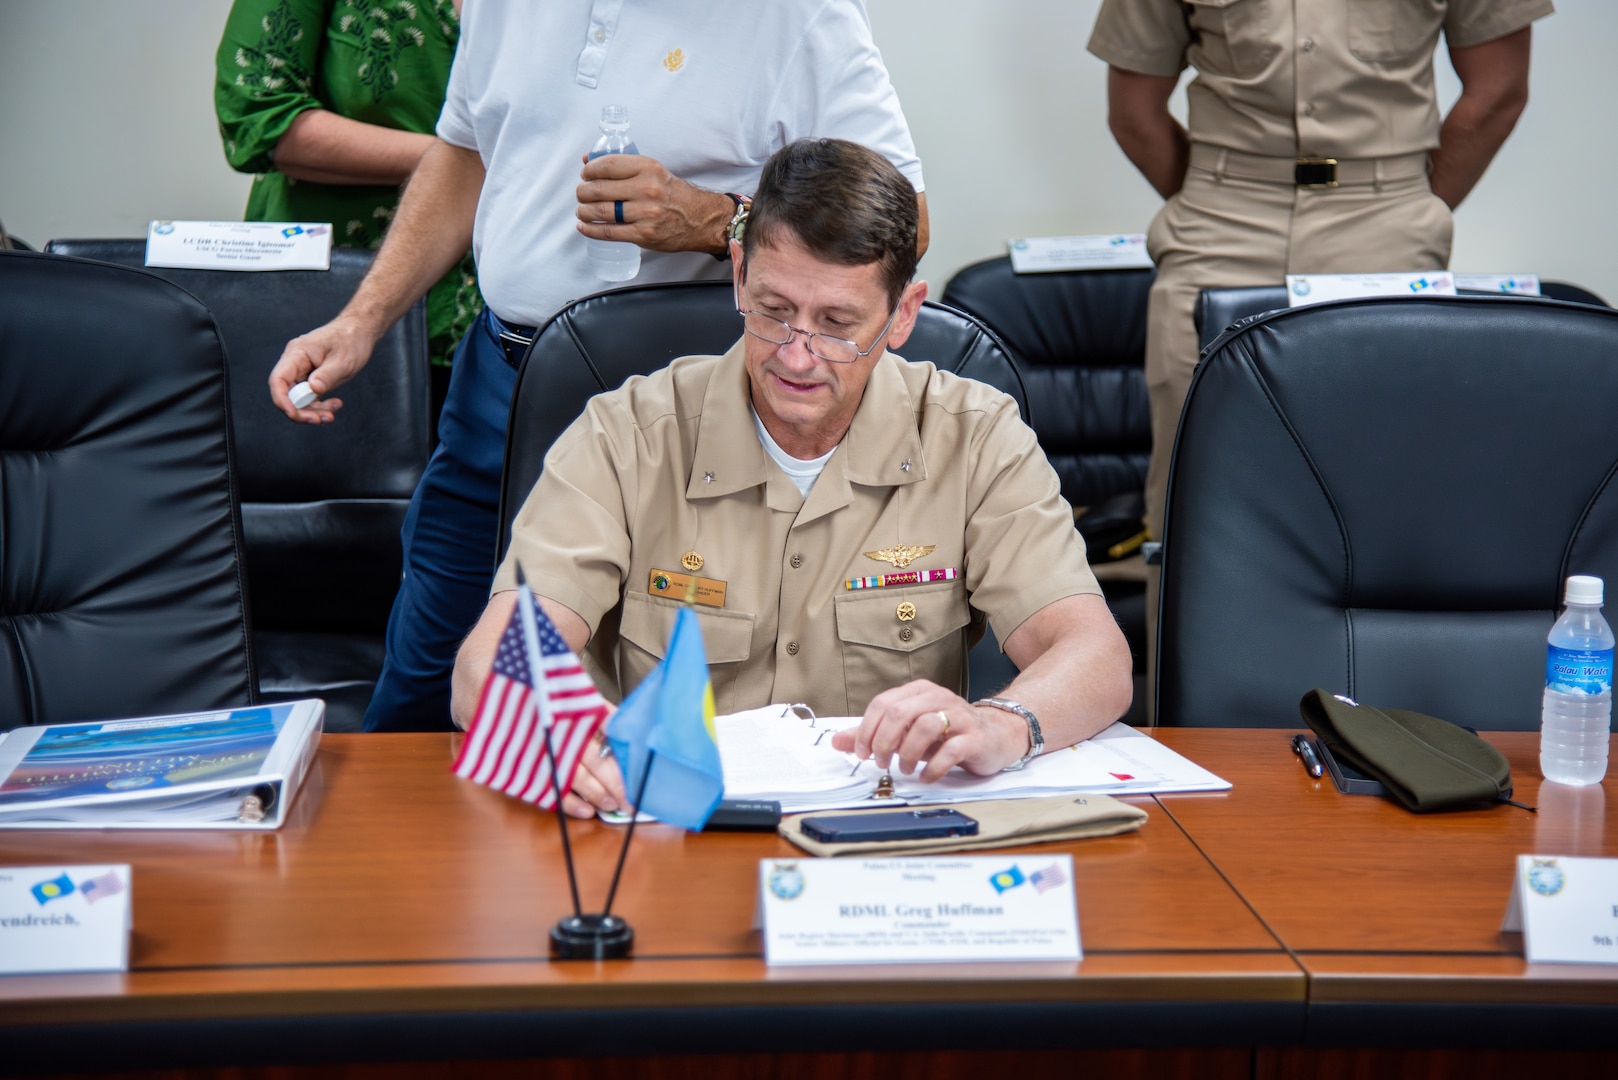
(190, 769)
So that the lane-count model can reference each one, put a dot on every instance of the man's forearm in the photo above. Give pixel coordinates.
(1147, 133)
(1494, 91)
(1074, 669)
(431, 231)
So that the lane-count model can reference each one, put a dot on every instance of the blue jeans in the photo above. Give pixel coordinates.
(450, 536)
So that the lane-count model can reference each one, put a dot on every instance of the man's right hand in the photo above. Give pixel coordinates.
(326, 357)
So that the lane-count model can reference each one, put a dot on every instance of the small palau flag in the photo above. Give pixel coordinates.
(47, 891)
(1006, 879)
(666, 724)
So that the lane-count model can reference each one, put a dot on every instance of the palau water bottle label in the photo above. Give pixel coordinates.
(1578, 671)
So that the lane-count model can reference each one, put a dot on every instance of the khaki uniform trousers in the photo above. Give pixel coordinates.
(1225, 228)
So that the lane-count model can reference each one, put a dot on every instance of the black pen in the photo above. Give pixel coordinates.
(1306, 751)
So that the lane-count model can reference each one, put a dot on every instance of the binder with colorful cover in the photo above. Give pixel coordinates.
(223, 769)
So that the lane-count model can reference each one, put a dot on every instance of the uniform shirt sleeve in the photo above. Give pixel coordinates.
(1475, 22)
(584, 485)
(265, 76)
(1145, 36)
(1022, 551)
(836, 85)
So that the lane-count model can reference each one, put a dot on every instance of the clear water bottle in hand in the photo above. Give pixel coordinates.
(1577, 711)
(613, 260)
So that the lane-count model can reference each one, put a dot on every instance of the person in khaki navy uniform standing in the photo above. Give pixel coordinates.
(851, 518)
(1282, 89)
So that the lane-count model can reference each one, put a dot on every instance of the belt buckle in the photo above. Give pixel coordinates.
(1315, 173)
(514, 345)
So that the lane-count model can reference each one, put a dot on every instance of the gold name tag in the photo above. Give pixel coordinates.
(675, 585)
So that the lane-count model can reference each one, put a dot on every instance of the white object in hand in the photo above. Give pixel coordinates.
(302, 396)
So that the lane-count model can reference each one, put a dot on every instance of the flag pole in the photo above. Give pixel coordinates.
(629, 834)
(530, 637)
(651, 759)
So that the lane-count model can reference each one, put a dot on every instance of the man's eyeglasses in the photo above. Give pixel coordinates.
(834, 350)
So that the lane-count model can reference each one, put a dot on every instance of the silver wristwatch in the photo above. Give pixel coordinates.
(1036, 740)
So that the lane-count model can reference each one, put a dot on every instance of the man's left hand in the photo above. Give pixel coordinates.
(660, 212)
(922, 721)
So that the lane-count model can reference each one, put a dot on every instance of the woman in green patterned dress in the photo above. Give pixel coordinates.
(331, 103)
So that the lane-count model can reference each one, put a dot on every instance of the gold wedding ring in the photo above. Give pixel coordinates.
(942, 715)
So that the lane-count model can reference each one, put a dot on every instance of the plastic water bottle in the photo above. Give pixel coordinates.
(1577, 714)
(613, 260)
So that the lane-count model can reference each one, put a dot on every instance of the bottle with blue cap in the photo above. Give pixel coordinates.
(1576, 716)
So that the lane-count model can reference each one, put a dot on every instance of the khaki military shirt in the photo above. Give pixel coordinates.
(1339, 78)
(669, 469)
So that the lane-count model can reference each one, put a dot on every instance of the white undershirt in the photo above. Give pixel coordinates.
(803, 474)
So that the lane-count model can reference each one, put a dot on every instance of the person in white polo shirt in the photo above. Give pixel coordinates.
(712, 90)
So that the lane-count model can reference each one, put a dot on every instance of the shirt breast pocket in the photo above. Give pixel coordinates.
(648, 622)
(1232, 35)
(891, 636)
(1380, 31)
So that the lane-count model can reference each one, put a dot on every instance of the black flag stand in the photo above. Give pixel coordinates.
(577, 936)
(589, 937)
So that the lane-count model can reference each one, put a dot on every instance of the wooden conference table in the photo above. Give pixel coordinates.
(401, 916)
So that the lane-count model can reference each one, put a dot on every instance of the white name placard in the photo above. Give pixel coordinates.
(1566, 908)
(239, 245)
(1045, 254)
(1511, 284)
(64, 918)
(918, 910)
(1317, 288)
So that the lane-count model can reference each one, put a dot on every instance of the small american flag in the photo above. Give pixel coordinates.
(505, 745)
(1048, 878)
(99, 888)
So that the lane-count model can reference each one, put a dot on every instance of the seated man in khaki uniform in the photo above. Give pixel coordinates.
(851, 517)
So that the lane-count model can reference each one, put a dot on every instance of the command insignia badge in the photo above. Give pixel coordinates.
(691, 561)
(786, 881)
(1545, 877)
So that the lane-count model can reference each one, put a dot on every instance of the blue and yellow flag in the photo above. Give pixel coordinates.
(666, 723)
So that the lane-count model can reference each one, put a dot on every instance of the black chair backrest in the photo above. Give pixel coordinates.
(596, 343)
(1218, 310)
(321, 504)
(1079, 340)
(120, 587)
(1382, 498)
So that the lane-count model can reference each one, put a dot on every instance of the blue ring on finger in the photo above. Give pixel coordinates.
(618, 211)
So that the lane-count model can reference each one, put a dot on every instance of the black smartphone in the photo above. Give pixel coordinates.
(1349, 780)
(890, 825)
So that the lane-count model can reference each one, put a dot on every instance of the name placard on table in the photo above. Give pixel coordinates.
(1506, 284)
(1048, 254)
(918, 910)
(239, 245)
(64, 919)
(1566, 908)
(1303, 289)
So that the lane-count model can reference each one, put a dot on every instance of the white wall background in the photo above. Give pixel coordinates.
(106, 121)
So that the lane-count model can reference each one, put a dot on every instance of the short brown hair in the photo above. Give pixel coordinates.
(845, 203)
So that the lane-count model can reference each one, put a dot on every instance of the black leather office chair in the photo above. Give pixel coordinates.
(1079, 340)
(596, 343)
(321, 505)
(120, 585)
(1219, 309)
(1382, 499)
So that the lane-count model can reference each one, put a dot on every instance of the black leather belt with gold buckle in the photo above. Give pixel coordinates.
(1315, 173)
